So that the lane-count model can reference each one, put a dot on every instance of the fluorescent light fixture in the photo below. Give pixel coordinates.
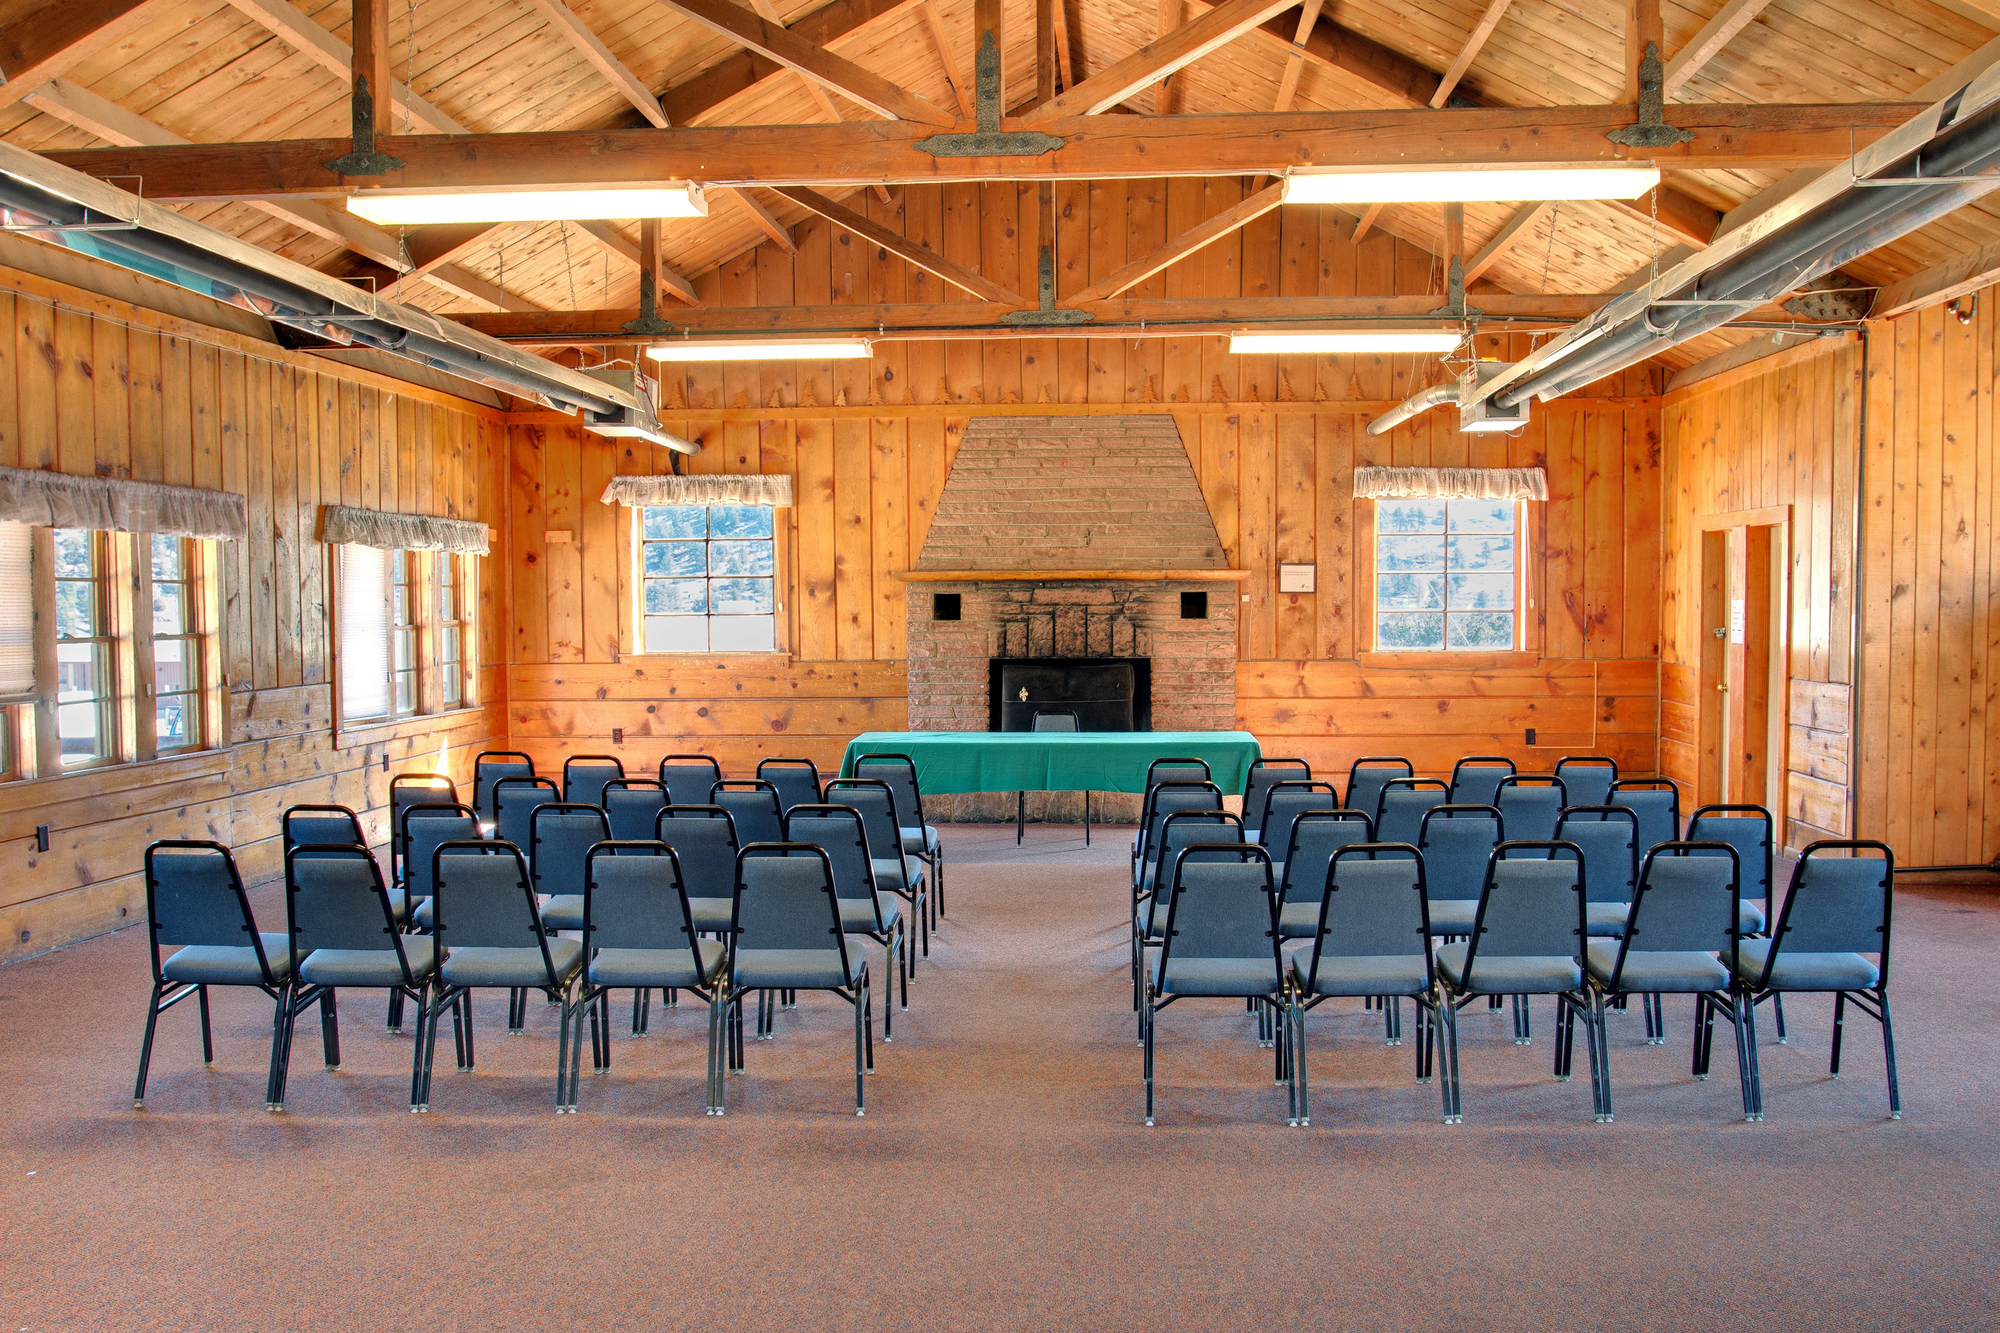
(814, 349)
(1471, 185)
(1491, 425)
(390, 209)
(1354, 340)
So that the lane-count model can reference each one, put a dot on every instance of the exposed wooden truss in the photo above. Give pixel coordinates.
(1481, 30)
(1506, 238)
(903, 247)
(49, 41)
(1955, 277)
(960, 88)
(334, 56)
(1159, 59)
(1715, 34)
(565, 21)
(1180, 247)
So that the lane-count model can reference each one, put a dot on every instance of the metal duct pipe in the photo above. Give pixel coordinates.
(1435, 396)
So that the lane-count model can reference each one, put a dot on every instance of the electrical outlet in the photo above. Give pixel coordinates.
(1531, 735)
(41, 837)
(618, 735)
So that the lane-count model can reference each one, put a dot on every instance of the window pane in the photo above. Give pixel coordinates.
(1409, 553)
(448, 644)
(170, 666)
(676, 596)
(743, 634)
(76, 610)
(1482, 592)
(1409, 633)
(1489, 630)
(171, 719)
(168, 614)
(364, 633)
(1409, 592)
(740, 558)
(166, 557)
(739, 521)
(405, 650)
(1481, 552)
(76, 671)
(676, 634)
(447, 603)
(740, 597)
(406, 692)
(676, 559)
(1482, 515)
(675, 521)
(73, 554)
(1409, 516)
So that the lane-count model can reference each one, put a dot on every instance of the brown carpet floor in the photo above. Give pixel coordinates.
(1002, 1178)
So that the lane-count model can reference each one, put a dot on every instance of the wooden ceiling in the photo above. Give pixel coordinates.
(210, 71)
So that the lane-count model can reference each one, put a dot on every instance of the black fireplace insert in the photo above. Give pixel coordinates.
(1105, 693)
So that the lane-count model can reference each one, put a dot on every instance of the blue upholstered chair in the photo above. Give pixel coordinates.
(1747, 829)
(1158, 772)
(514, 804)
(704, 838)
(638, 934)
(1528, 939)
(490, 937)
(632, 807)
(196, 906)
(488, 768)
(1177, 831)
(1163, 800)
(1401, 805)
(787, 936)
(795, 780)
(1836, 915)
(919, 838)
(1656, 802)
(1315, 836)
(866, 908)
(1457, 841)
(1283, 802)
(1681, 928)
(422, 829)
(1220, 941)
(1049, 720)
(754, 805)
(406, 790)
(1532, 805)
(564, 833)
(344, 932)
(689, 778)
(1588, 777)
(1475, 779)
(1608, 836)
(896, 871)
(325, 825)
(1366, 776)
(1372, 938)
(1257, 784)
(584, 776)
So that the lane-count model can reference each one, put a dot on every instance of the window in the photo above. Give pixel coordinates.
(85, 695)
(403, 632)
(177, 673)
(402, 636)
(1447, 575)
(450, 634)
(708, 579)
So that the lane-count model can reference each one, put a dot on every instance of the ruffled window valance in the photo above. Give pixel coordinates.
(775, 491)
(1450, 483)
(341, 525)
(57, 500)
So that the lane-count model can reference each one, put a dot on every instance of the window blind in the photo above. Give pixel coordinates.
(17, 610)
(364, 632)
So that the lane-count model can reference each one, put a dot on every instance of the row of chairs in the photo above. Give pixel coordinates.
(1221, 933)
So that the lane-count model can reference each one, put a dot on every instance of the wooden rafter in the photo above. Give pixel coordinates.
(1158, 59)
(1642, 28)
(814, 89)
(1369, 217)
(1955, 277)
(1511, 232)
(1715, 34)
(565, 21)
(306, 37)
(688, 101)
(1180, 247)
(48, 41)
(942, 41)
(1470, 51)
(901, 246)
(1163, 92)
(835, 73)
(770, 226)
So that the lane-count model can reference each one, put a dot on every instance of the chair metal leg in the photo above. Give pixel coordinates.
(146, 1044)
(1086, 819)
(1839, 1030)
(1020, 816)
(281, 1024)
(1600, 1059)
(1454, 1112)
(1523, 1033)
(1301, 1098)
(329, 1028)
(394, 1020)
(1746, 1036)
(718, 1006)
(1426, 1037)
(1778, 1017)
(861, 1024)
(1889, 1053)
(467, 1056)
(417, 1046)
(1565, 1041)
(1392, 1021)
(207, 1037)
(1146, 1042)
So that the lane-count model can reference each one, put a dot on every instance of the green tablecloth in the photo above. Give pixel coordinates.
(963, 761)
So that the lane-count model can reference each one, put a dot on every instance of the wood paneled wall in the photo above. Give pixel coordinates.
(96, 387)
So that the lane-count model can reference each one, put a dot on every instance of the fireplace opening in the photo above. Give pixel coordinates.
(1105, 693)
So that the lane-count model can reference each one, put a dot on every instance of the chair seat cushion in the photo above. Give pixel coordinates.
(484, 966)
(1503, 975)
(1153, 918)
(856, 916)
(563, 912)
(1803, 971)
(1751, 920)
(1298, 921)
(712, 914)
(1394, 974)
(809, 969)
(1607, 918)
(1655, 973)
(898, 872)
(656, 967)
(229, 964)
(425, 917)
(368, 967)
(1216, 976)
(399, 903)
(1453, 916)
(920, 842)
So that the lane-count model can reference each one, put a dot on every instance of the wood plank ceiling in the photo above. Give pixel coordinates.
(242, 70)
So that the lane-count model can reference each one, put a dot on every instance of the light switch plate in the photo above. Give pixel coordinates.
(1296, 578)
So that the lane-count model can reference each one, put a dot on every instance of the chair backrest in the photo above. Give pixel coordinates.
(1055, 719)
(1657, 803)
(514, 802)
(1588, 777)
(1282, 803)
(1402, 804)
(754, 805)
(1532, 805)
(1170, 798)
(194, 896)
(837, 831)
(1316, 835)
(1375, 905)
(1457, 841)
(335, 899)
(1181, 829)
(1608, 837)
(1686, 901)
(795, 780)
(1366, 776)
(704, 838)
(900, 772)
(406, 790)
(876, 803)
(689, 779)
(584, 776)
(1224, 906)
(1747, 829)
(321, 824)
(565, 831)
(1531, 905)
(1839, 901)
(785, 900)
(632, 807)
(485, 899)
(633, 898)
(1174, 770)
(1263, 775)
(489, 767)
(1476, 778)
(425, 828)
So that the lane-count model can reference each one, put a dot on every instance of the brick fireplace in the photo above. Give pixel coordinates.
(1047, 507)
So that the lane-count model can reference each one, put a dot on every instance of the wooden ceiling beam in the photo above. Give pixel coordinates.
(737, 72)
(1510, 234)
(1096, 147)
(587, 43)
(1159, 59)
(779, 233)
(1955, 277)
(901, 246)
(942, 41)
(1643, 28)
(1180, 247)
(835, 73)
(1715, 34)
(49, 41)
(306, 37)
(1474, 43)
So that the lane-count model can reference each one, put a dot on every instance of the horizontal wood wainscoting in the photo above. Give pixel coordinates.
(96, 387)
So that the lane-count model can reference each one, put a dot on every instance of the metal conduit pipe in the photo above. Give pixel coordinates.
(1435, 396)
